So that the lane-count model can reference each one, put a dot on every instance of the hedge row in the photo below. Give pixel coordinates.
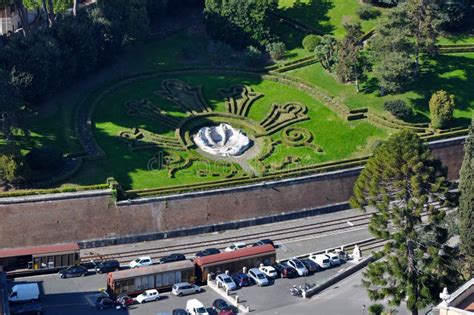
(456, 50)
(297, 65)
(286, 64)
(446, 135)
(30, 192)
(351, 117)
(384, 121)
(359, 110)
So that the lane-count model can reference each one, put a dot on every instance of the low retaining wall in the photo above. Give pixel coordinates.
(94, 218)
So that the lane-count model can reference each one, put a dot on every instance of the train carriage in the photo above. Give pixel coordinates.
(235, 261)
(160, 277)
(40, 258)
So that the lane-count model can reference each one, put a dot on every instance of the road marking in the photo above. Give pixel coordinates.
(350, 223)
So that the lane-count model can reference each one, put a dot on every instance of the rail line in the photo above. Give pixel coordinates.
(284, 234)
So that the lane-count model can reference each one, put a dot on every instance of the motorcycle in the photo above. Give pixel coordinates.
(296, 291)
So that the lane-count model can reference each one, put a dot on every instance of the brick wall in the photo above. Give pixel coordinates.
(88, 216)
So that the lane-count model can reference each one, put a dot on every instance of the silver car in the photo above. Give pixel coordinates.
(258, 277)
(185, 288)
(226, 281)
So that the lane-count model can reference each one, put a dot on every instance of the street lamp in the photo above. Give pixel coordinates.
(363, 309)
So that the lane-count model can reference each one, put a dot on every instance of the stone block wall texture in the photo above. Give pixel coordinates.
(79, 217)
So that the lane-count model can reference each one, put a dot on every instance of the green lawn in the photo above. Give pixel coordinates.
(327, 16)
(338, 138)
(452, 72)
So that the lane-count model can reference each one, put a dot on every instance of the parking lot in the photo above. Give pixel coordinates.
(77, 295)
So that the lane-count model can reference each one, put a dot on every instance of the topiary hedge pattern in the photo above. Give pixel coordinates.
(189, 98)
(298, 137)
(239, 99)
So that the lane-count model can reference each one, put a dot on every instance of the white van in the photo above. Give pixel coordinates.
(195, 307)
(24, 293)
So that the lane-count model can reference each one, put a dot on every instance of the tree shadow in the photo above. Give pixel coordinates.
(313, 13)
(453, 73)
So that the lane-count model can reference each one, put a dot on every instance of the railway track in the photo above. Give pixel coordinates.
(282, 235)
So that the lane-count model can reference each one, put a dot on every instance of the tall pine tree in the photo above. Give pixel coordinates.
(399, 181)
(466, 202)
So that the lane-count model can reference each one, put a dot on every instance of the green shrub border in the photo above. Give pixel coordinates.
(31, 192)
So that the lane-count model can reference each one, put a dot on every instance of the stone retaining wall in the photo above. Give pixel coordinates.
(95, 216)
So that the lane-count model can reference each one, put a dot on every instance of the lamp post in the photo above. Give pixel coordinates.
(363, 309)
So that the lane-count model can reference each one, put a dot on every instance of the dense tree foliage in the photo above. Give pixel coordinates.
(441, 109)
(350, 61)
(466, 202)
(326, 52)
(399, 180)
(10, 106)
(392, 49)
(240, 22)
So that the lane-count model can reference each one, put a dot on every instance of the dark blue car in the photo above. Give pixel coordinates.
(241, 279)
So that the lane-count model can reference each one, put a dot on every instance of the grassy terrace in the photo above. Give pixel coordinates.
(452, 72)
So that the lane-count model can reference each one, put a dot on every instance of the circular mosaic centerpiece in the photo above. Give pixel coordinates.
(222, 140)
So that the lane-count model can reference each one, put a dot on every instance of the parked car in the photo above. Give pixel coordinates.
(333, 259)
(141, 261)
(269, 271)
(235, 246)
(207, 252)
(107, 266)
(106, 302)
(148, 296)
(172, 258)
(125, 300)
(29, 309)
(241, 279)
(24, 292)
(185, 288)
(179, 311)
(222, 307)
(285, 271)
(195, 307)
(258, 277)
(73, 271)
(264, 242)
(309, 264)
(321, 260)
(226, 281)
(298, 266)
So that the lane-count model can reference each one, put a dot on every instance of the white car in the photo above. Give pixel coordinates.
(235, 246)
(333, 259)
(298, 266)
(141, 261)
(195, 307)
(321, 260)
(226, 281)
(148, 296)
(269, 271)
(258, 277)
(185, 288)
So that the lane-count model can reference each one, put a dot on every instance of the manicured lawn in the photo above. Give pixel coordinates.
(452, 72)
(339, 139)
(327, 16)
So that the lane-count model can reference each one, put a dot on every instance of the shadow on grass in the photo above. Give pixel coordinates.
(452, 73)
(313, 13)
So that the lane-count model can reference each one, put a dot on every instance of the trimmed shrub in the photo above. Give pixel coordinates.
(441, 109)
(398, 108)
(276, 50)
(311, 41)
(46, 159)
(367, 12)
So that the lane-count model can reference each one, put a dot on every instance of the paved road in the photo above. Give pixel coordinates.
(344, 298)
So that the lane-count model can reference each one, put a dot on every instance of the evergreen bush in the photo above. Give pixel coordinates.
(311, 41)
(398, 108)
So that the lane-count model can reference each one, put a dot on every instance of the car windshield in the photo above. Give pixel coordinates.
(201, 310)
(227, 280)
(137, 260)
(298, 264)
(260, 276)
(326, 261)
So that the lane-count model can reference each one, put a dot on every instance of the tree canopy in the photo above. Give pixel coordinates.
(402, 180)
